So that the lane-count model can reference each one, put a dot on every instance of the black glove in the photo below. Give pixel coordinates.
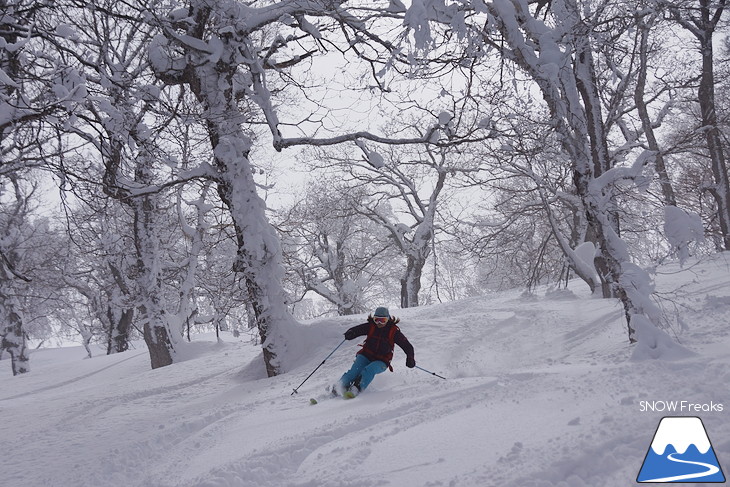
(350, 334)
(410, 362)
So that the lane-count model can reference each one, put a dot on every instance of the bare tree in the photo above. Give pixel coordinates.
(405, 187)
(29, 288)
(13, 333)
(649, 126)
(335, 251)
(35, 88)
(702, 22)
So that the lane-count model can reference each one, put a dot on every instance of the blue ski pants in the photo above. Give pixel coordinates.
(365, 368)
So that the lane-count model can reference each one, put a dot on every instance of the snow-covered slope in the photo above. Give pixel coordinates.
(541, 392)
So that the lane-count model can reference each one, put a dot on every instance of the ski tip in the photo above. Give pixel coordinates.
(348, 395)
(312, 401)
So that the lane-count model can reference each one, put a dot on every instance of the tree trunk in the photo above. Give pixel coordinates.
(346, 310)
(721, 188)
(611, 251)
(411, 282)
(158, 344)
(120, 325)
(703, 28)
(347, 290)
(587, 85)
(646, 123)
(258, 257)
(157, 336)
(14, 339)
(577, 237)
(119, 322)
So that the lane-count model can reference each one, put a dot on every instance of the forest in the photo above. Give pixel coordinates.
(176, 166)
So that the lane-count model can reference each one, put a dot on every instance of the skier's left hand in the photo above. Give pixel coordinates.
(410, 362)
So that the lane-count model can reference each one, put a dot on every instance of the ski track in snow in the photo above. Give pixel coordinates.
(540, 393)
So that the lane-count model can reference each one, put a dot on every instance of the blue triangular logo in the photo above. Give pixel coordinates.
(681, 452)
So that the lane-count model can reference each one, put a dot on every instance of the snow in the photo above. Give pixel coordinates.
(681, 229)
(585, 254)
(654, 343)
(541, 391)
(445, 118)
(371, 157)
(7, 80)
(66, 31)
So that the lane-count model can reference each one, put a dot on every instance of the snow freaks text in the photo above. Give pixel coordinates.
(680, 407)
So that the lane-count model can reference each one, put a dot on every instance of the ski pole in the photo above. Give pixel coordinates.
(432, 373)
(320, 365)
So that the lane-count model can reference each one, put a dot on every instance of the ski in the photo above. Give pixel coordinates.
(332, 394)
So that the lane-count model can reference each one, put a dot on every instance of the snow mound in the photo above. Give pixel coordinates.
(654, 343)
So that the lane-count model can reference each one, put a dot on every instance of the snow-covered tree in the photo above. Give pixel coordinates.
(100, 266)
(221, 51)
(333, 249)
(37, 90)
(203, 47)
(153, 116)
(13, 332)
(37, 93)
(30, 291)
(404, 187)
(120, 127)
(560, 58)
(701, 20)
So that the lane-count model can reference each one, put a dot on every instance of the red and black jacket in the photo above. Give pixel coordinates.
(380, 342)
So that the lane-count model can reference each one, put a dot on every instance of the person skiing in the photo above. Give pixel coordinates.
(377, 352)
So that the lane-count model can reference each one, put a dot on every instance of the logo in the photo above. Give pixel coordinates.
(681, 452)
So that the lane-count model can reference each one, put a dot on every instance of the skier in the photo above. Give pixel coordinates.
(377, 351)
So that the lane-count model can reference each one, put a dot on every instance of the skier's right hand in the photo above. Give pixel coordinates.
(350, 334)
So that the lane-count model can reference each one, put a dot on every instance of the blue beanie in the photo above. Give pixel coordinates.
(382, 312)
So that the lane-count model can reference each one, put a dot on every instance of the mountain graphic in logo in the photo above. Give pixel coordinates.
(681, 452)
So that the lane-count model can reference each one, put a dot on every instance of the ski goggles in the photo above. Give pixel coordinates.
(380, 319)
